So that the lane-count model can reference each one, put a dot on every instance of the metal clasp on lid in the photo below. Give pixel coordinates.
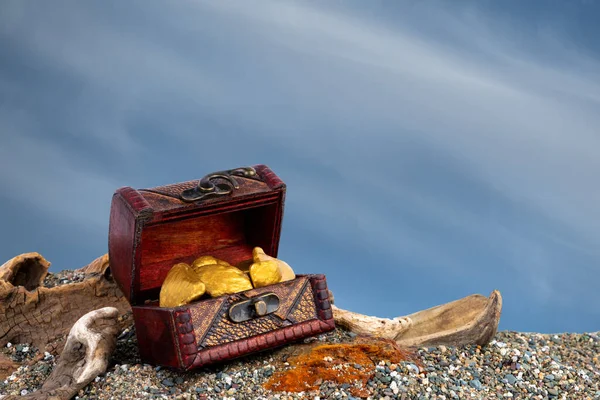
(253, 308)
(207, 189)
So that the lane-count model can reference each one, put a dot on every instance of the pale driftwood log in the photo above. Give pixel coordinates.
(471, 320)
(30, 313)
(360, 324)
(89, 346)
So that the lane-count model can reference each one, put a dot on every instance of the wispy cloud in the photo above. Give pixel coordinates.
(40, 175)
(521, 125)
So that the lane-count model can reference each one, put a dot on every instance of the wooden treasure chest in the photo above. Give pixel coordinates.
(225, 214)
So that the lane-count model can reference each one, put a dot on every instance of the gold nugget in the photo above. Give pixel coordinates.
(207, 260)
(264, 273)
(287, 273)
(181, 286)
(222, 279)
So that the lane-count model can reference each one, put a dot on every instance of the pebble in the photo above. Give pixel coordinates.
(510, 378)
(168, 382)
(476, 384)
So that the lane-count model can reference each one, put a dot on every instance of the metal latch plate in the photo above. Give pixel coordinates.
(255, 307)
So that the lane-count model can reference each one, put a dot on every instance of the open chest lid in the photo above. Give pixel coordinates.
(225, 214)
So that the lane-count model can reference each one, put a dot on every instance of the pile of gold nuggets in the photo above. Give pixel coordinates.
(185, 283)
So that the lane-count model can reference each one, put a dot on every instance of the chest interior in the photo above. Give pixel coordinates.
(229, 236)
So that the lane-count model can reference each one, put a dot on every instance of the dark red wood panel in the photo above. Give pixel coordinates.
(196, 236)
(121, 243)
(156, 336)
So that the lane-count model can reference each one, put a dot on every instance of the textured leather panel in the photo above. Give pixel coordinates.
(297, 299)
(305, 308)
(257, 343)
(286, 291)
(225, 331)
(203, 314)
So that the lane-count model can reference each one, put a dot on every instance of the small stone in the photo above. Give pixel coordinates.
(413, 367)
(510, 378)
(9, 345)
(475, 383)
(168, 382)
(556, 339)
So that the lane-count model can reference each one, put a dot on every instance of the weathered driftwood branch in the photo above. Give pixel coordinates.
(7, 366)
(471, 320)
(89, 346)
(30, 313)
(372, 326)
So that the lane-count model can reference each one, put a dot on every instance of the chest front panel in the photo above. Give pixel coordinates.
(212, 325)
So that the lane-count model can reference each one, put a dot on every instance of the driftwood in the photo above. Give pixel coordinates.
(7, 366)
(89, 346)
(41, 316)
(471, 320)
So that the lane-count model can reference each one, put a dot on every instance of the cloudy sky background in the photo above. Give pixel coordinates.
(431, 149)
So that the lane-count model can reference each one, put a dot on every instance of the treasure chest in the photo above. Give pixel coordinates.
(225, 214)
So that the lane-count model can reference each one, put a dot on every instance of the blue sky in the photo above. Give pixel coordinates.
(431, 149)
